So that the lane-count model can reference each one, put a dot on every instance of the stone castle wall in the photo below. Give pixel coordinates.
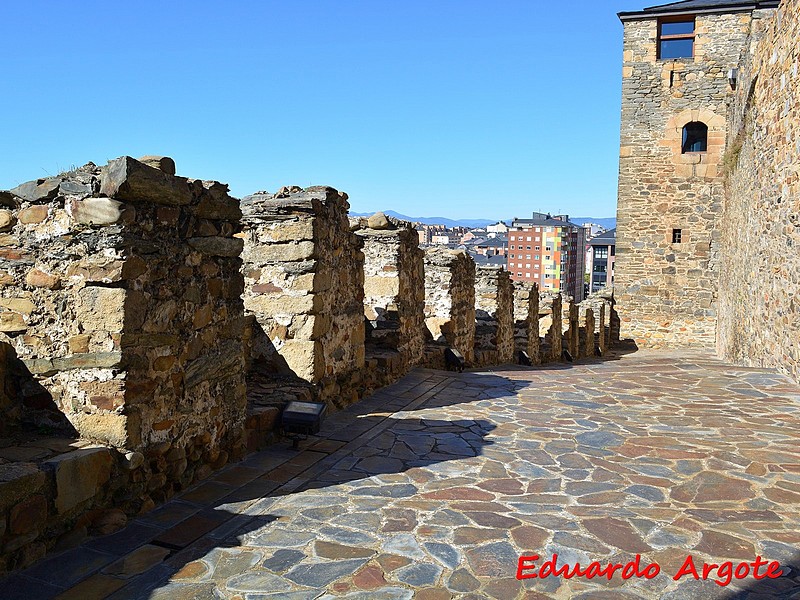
(668, 292)
(304, 283)
(121, 297)
(760, 266)
(494, 313)
(394, 297)
(123, 334)
(449, 303)
(526, 320)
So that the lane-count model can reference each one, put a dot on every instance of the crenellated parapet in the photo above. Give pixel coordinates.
(449, 304)
(394, 297)
(494, 313)
(304, 287)
(526, 321)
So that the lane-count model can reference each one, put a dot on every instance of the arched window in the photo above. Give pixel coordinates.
(695, 137)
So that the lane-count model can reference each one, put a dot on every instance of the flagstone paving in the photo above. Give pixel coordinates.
(434, 487)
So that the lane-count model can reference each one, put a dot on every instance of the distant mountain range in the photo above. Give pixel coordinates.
(607, 222)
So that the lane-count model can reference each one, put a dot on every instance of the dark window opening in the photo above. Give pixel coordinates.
(695, 137)
(677, 234)
(676, 38)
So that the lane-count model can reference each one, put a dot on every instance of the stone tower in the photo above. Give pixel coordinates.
(679, 74)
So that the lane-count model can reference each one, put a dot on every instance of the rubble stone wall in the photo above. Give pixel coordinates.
(449, 303)
(760, 236)
(304, 283)
(394, 298)
(120, 294)
(555, 333)
(526, 318)
(494, 313)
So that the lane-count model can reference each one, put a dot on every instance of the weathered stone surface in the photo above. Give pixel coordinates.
(450, 303)
(217, 246)
(379, 221)
(306, 295)
(28, 515)
(40, 279)
(127, 179)
(39, 190)
(760, 232)
(162, 163)
(394, 299)
(79, 475)
(7, 220)
(96, 211)
(17, 481)
(494, 312)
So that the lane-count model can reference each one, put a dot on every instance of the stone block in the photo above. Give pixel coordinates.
(18, 481)
(217, 246)
(96, 211)
(127, 179)
(101, 309)
(79, 475)
(29, 515)
(162, 163)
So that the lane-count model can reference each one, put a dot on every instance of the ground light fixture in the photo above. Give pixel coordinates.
(301, 419)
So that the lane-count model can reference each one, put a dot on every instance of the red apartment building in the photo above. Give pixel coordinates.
(550, 251)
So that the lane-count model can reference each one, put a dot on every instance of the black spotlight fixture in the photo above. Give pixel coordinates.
(301, 419)
(524, 359)
(566, 355)
(454, 360)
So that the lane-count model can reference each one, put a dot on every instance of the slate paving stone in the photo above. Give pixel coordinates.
(654, 452)
(282, 560)
(446, 554)
(257, 582)
(321, 574)
(125, 540)
(69, 567)
(419, 574)
(24, 588)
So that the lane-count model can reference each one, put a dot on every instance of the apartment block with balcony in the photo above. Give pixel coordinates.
(603, 254)
(549, 251)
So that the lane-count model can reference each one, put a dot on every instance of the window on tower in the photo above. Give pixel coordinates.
(676, 38)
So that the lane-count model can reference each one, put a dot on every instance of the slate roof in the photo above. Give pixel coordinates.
(607, 238)
(702, 6)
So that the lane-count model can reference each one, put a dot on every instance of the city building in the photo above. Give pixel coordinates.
(549, 251)
(603, 249)
(497, 246)
(498, 227)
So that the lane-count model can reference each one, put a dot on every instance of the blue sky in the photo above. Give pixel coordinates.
(455, 108)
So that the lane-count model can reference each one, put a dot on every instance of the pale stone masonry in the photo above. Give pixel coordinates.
(671, 200)
(304, 283)
(121, 295)
(394, 297)
(526, 320)
(588, 337)
(760, 267)
(573, 334)
(555, 333)
(494, 313)
(449, 303)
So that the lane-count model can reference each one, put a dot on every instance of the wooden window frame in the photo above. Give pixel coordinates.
(678, 36)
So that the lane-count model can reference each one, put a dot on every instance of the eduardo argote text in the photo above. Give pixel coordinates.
(721, 574)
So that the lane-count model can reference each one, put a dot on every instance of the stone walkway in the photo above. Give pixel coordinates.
(433, 488)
